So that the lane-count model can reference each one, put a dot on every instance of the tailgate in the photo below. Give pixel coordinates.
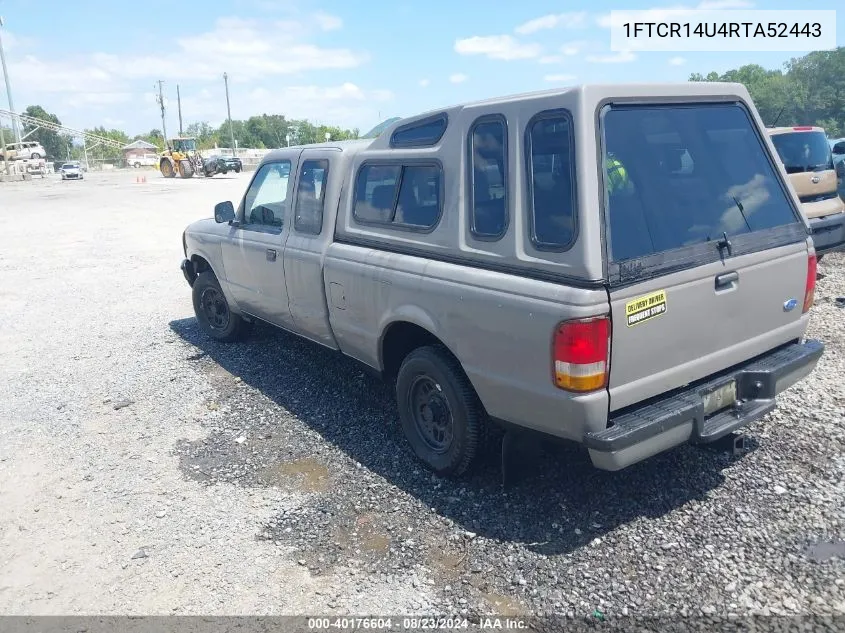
(708, 255)
(685, 326)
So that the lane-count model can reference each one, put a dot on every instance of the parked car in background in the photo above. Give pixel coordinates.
(224, 164)
(25, 150)
(71, 171)
(148, 160)
(808, 160)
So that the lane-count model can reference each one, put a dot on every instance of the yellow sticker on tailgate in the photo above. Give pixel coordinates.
(646, 307)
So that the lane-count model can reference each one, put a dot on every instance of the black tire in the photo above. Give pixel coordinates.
(224, 171)
(166, 168)
(213, 313)
(431, 384)
(35, 156)
(237, 170)
(186, 170)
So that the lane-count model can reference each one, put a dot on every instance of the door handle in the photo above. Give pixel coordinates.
(271, 254)
(726, 280)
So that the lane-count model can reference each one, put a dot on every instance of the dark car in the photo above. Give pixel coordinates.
(224, 164)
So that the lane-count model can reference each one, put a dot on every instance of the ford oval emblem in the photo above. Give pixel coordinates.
(789, 305)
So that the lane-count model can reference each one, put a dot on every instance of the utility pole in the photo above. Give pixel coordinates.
(229, 111)
(15, 128)
(160, 100)
(3, 147)
(179, 105)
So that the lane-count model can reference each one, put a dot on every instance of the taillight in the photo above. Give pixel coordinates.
(580, 354)
(810, 287)
(802, 128)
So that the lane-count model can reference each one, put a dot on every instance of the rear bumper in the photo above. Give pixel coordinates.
(644, 430)
(828, 233)
(188, 271)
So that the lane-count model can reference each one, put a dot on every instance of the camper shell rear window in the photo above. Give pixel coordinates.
(687, 176)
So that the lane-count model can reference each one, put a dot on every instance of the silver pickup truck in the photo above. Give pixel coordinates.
(624, 266)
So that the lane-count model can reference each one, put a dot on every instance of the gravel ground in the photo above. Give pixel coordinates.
(145, 469)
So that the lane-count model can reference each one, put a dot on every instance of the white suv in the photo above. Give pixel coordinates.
(27, 149)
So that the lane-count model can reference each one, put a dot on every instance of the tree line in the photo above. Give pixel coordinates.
(265, 131)
(810, 90)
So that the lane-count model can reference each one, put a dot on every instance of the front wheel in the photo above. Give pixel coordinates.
(212, 310)
(442, 417)
(35, 156)
(237, 170)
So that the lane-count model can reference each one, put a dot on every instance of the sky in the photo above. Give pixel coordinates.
(335, 62)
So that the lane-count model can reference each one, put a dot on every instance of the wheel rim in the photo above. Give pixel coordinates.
(432, 414)
(215, 308)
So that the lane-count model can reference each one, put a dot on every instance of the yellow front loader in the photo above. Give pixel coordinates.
(181, 157)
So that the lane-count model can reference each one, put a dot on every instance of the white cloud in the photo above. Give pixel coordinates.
(247, 49)
(328, 22)
(613, 58)
(677, 61)
(503, 47)
(11, 41)
(347, 104)
(559, 78)
(458, 78)
(424, 83)
(552, 59)
(663, 14)
(85, 89)
(572, 20)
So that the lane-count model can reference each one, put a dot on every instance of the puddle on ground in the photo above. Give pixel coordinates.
(447, 562)
(821, 552)
(306, 474)
(503, 605)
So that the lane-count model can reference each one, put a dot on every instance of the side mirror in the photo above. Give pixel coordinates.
(224, 212)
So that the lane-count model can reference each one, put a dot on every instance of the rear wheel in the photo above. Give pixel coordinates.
(186, 170)
(237, 170)
(442, 417)
(213, 313)
(36, 155)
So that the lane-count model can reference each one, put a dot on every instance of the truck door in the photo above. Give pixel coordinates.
(253, 254)
(315, 202)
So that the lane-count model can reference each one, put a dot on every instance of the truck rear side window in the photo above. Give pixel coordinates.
(551, 178)
(488, 172)
(677, 176)
(404, 195)
(311, 196)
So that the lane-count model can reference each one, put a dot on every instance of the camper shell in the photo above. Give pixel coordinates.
(577, 261)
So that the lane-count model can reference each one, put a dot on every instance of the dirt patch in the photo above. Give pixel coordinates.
(305, 474)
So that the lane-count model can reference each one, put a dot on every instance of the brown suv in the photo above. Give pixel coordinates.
(807, 158)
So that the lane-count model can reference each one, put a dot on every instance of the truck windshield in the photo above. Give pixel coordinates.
(185, 145)
(680, 175)
(803, 151)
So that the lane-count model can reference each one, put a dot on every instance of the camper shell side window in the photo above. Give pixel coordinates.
(487, 177)
(405, 195)
(550, 171)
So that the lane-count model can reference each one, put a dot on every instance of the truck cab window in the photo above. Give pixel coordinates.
(265, 202)
(311, 196)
